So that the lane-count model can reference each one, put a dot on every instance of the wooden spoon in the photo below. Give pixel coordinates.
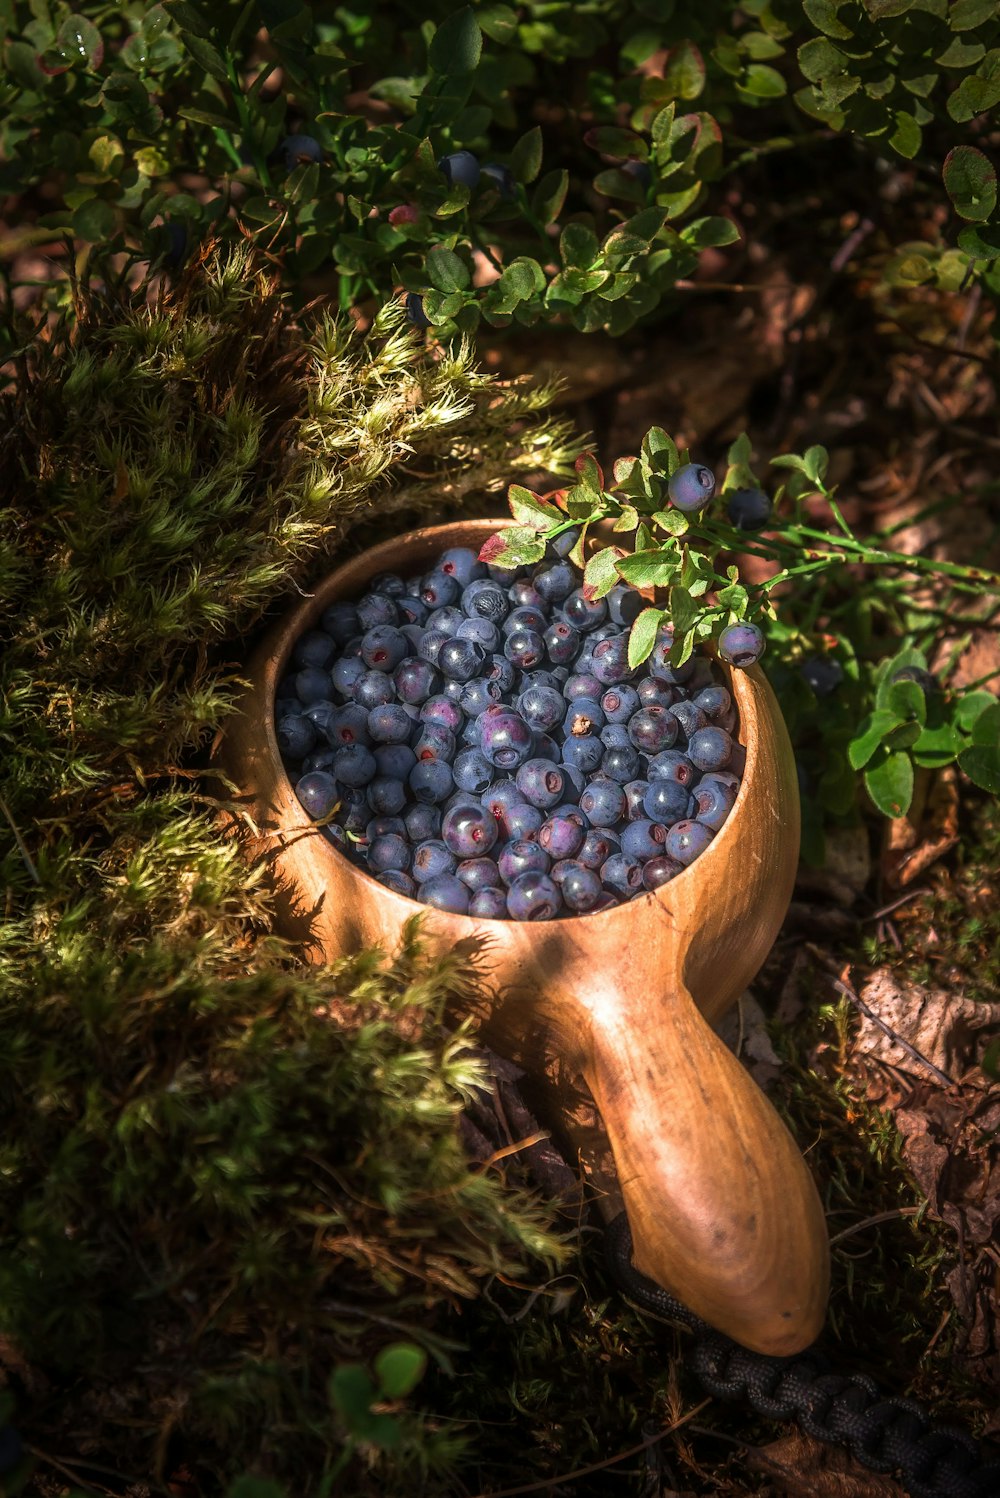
(724, 1213)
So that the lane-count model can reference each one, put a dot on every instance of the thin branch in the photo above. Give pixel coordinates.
(904, 1045)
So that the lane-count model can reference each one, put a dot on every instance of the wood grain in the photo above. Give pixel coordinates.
(724, 1213)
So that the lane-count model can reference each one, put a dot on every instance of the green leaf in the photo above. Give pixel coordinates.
(578, 246)
(936, 746)
(762, 82)
(526, 157)
(971, 182)
(399, 1368)
(188, 17)
(986, 728)
(216, 120)
(516, 546)
(255, 1487)
(498, 21)
(824, 14)
(890, 783)
(982, 242)
(549, 196)
(982, 765)
(642, 636)
(446, 270)
(703, 233)
(648, 569)
(973, 96)
(971, 707)
(530, 509)
(906, 699)
(612, 140)
(674, 522)
(683, 609)
(94, 220)
(351, 1391)
(820, 59)
(207, 57)
(518, 281)
(815, 462)
(907, 137)
(457, 44)
(684, 73)
(601, 574)
(966, 15)
(871, 732)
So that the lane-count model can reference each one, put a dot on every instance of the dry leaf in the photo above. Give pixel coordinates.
(744, 1030)
(847, 868)
(800, 1467)
(937, 1022)
(930, 828)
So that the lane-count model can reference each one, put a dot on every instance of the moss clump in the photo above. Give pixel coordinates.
(222, 1176)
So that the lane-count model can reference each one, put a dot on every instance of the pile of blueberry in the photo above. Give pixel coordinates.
(476, 739)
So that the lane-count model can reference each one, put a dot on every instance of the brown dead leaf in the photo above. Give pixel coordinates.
(937, 1022)
(928, 831)
(847, 868)
(800, 1467)
(744, 1030)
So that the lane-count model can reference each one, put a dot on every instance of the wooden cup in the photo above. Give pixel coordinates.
(724, 1213)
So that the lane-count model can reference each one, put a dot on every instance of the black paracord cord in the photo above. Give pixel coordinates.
(885, 1434)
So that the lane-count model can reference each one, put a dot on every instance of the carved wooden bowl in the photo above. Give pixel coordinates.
(723, 1211)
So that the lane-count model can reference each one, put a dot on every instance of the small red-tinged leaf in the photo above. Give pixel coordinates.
(642, 636)
(591, 473)
(612, 140)
(578, 555)
(531, 509)
(557, 496)
(622, 470)
(515, 547)
(601, 574)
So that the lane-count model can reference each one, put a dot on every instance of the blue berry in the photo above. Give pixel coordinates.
(423, 823)
(557, 582)
(691, 487)
(541, 783)
(412, 611)
(582, 684)
(657, 871)
(389, 851)
(383, 647)
(689, 716)
(643, 839)
(622, 874)
(533, 897)
(580, 887)
(521, 857)
(386, 795)
(416, 680)
(610, 661)
(598, 846)
(431, 781)
(430, 645)
(472, 771)
(445, 892)
(524, 617)
(399, 883)
(373, 689)
(431, 859)
(561, 837)
(380, 825)
(415, 310)
(561, 546)
(655, 693)
(295, 150)
(562, 642)
(443, 712)
(355, 812)
(388, 583)
(374, 609)
(469, 830)
(354, 765)
(619, 703)
(461, 563)
(748, 509)
(523, 820)
(322, 759)
(296, 736)
(823, 674)
(624, 604)
(741, 645)
(524, 648)
(583, 753)
(486, 599)
(710, 749)
(314, 648)
(479, 873)
(434, 742)
(584, 613)
(604, 803)
(313, 685)
(501, 673)
(712, 801)
(615, 736)
(489, 904)
(585, 716)
(665, 801)
(461, 660)
(541, 707)
(483, 631)
(635, 796)
(507, 740)
(318, 794)
(686, 841)
(653, 729)
(389, 724)
(460, 168)
(499, 177)
(927, 683)
(672, 765)
(621, 764)
(340, 621)
(714, 701)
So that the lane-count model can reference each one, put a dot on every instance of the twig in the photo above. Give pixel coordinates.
(551, 1482)
(904, 1045)
(888, 909)
(871, 1222)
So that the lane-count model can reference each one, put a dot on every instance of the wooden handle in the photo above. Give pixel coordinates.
(723, 1211)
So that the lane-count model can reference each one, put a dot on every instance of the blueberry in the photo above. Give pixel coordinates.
(506, 739)
(741, 645)
(598, 846)
(582, 684)
(523, 820)
(469, 830)
(524, 648)
(748, 509)
(296, 737)
(584, 613)
(823, 674)
(498, 799)
(461, 563)
(460, 168)
(389, 723)
(313, 685)
(542, 708)
(524, 595)
(615, 735)
(686, 840)
(561, 546)
(443, 712)
(472, 771)
(927, 683)
(434, 742)
(489, 904)
(296, 149)
(499, 177)
(702, 675)
(714, 701)
(487, 600)
(399, 883)
(431, 781)
(318, 793)
(557, 582)
(624, 604)
(561, 837)
(373, 689)
(423, 823)
(314, 648)
(635, 797)
(389, 851)
(541, 783)
(621, 764)
(533, 897)
(415, 310)
(376, 608)
(439, 590)
(386, 795)
(710, 749)
(479, 873)
(655, 693)
(672, 765)
(639, 171)
(522, 857)
(619, 703)
(580, 888)
(653, 729)
(380, 825)
(383, 647)
(431, 859)
(583, 753)
(321, 759)
(622, 874)
(445, 892)
(469, 737)
(354, 765)
(502, 673)
(430, 645)
(416, 680)
(610, 662)
(657, 871)
(412, 611)
(524, 617)
(585, 716)
(483, 631)
(689, 716)
(340, 621)
(691, 487)
(712, 801)
(355, 812)
(665, 801)
(562, 642)
(643, 839)
(604, 803)
(461, 660)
